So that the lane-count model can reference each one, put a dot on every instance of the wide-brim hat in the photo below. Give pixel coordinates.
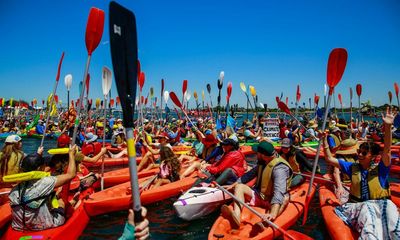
(348, 147)
(90, 137)
(312, 124)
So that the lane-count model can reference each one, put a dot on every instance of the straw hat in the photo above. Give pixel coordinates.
(348, 147)
(312, 124)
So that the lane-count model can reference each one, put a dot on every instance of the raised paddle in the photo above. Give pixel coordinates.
(243, 87)
(253, 93)
(52, 98)
(228, 96)
(184, 89)
(196, 98)
(161, 98)
(124, 55)
(94, 32)
(176, 101)
(390, 98)
(359, 91)
(209, 94)
(351, 107)
(282, 106)
(202, 100)
(396, 90)
(336, 65)
(298, 96)
(341, 103)
(68, 84)
(220, 84)
(106, 87)
(254, 211)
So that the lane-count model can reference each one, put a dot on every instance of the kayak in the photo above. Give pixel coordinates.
(198, 202)
(5, 214)
(119, 176)
(119, 197)
(336, 227)
(71, 229)
(395, 193)
(221, 228)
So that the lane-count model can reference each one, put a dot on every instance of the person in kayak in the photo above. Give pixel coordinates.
(297, 159)
(148, 160)
(370, 210)
(273, 175)
(91, 147)
(10, 157)
(32, 201)
(40, 127)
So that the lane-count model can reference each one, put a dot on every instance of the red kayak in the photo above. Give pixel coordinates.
(222, 230)
(119, 197)
(72, 228)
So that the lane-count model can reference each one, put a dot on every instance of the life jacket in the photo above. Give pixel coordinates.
(375, 189)
(337, 141)
(91, 149)
(347, 158)
(267, 185)
(293, 163)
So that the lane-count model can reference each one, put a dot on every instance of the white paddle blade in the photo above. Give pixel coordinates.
(106, 80)
(262, 105)
(166, 96)
(221, 76)
(188, 95)
(68, 81)
(243, 87)
(137, 101)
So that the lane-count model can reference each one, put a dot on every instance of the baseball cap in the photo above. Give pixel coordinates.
(264, 148)
(13, 139)
(286, 143)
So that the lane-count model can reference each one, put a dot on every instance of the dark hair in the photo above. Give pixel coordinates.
(372, 147)
(32, 162)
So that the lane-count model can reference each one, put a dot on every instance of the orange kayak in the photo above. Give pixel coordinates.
(119, 197)
(72, 228)
(336, 227)
(119, 176)
(5, 214)
(222, 228)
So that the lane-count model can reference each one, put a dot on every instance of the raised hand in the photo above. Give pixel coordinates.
(388, 118)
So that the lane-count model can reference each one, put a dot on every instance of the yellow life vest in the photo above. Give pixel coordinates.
(267, 181)
(374, 187)
(337, 141)
(347, 158)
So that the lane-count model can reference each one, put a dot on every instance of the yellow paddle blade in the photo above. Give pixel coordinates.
(97, 102)
(195, 95)
(27, 176)
(58, 151)
(252, 91)
(243, 87)
(202, 95)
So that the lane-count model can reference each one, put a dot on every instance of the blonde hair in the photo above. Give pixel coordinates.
(6, 153)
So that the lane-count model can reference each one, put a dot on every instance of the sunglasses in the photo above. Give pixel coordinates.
(364, 153)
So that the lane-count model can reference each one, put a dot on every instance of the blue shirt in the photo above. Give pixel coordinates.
(383, 175)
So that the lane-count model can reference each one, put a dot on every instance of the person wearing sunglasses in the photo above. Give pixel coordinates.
(370, 210)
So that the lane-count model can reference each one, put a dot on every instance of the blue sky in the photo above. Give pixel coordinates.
(273, 45)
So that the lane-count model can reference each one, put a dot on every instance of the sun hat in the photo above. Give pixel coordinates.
(13, 139)
(312, 124)
(348, 147)
(286, 143)
(90, 137)
(264, 148)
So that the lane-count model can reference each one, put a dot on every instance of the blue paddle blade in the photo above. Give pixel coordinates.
(167, 110)
(397, 121)
(219, 125)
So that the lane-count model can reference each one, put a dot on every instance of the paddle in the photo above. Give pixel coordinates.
(390, 98)
(187, 95)
(220, 85)
(106, 86)
(52, 98)
(202, 100)
(359, 91)
(184, 89)
(341, 103)
(229, 93)
(209, 94)
(68, 84)
(253, 94)
(197, 102)
(351, 107)
(141, 81)
(253, 211)
(286, 109)
(124, 55)
(298, 96)
(243, 87)
(336, 65)
(161, 98)
(94, 32)
(396, 89)
(176, 101)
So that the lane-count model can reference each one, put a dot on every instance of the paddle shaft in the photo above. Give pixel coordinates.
(104, 142)
(319, 146)
(137, 208)
(80, 100)
(319, 178)
(254, 211)
(48, 113)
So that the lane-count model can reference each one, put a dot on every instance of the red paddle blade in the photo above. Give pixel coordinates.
(340, 98)
(282, 106)
(298, 94)
(141, 80)
(87, 84)
(359, 89)
(142, 99)
(94, 29)
(175, 99)
(287, 100)
(184, 86)
(112, 102)
(118, 100)
(390, 96)
(396, 89)
(277, 99)
(59, 67)
(351, 94)
(138, 66)
(229, 89)
(56, 98)
(146, 100)
(336, 65)
(162, 86)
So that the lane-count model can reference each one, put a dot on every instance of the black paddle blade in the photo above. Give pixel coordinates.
(208, 88)
(123, 44)
(220, 84)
